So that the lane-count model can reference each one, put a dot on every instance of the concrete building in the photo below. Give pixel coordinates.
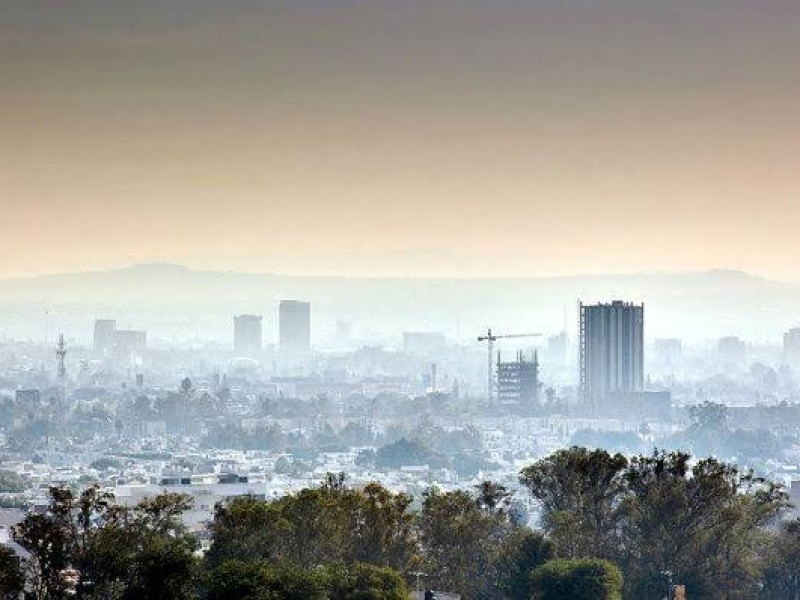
(558, 348)
(343, 331)
(247, 335)
(518, 382)
(27, 396)
(731, 351)
(294, 325)
(611, 350)
(104, 330)
(791, 347)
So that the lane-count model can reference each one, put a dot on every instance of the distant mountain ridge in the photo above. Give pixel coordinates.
(175, 299)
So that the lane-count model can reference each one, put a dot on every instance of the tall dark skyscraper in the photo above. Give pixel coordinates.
(247, 335)
(611, 350)
(294, 324)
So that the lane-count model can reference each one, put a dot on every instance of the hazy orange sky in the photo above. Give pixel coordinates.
(436, 137)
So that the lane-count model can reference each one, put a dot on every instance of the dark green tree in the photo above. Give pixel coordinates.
(580, 491)
(364, 582)
(11, 482)
(492, 497)
(255, 580)
(781, 562)
(12, 578)
(700, 521)
(522, 551)
(709, 417)
(120, 553)
(460, 542)
(577, 579)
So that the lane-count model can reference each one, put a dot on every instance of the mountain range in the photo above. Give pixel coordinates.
(173, 301)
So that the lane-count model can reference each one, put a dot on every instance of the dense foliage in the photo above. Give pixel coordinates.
(657, 519)
(703, 522)
(577, 579)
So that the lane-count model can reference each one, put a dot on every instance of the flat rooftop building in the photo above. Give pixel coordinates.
(104, 330)
(247, 335)
(611, 350)
(294, 325)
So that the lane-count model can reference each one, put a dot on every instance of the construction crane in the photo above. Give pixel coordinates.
(490, 338)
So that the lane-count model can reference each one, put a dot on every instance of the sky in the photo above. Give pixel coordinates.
(401, 137)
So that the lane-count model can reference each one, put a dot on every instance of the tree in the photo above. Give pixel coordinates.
(140, 553)
(247, 529)
(11, 482)
(577, 579)
(701, 522)
(364, 582)
(12, 579)
(257, 580)
(493, 497)
(579, 491)
(709, 417)
(459, 541)
(521, 552)
(317, 526)
(781, 577)
(704, 521)
(59, 538)
(186, 386)
(385, 529)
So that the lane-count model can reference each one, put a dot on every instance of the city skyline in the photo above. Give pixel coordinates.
(444, 139)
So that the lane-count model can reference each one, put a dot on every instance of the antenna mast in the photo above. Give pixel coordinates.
(61, 355)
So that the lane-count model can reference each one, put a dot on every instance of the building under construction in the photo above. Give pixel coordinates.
(518, 382)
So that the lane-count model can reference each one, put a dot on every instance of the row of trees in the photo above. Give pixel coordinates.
(706, 524)
(655, 517)
(142, 552)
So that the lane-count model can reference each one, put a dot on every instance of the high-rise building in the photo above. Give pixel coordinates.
(294, 325)
(247, 335)
(611, 350)
(518, 382)
(343, 330)
(731, 351)
(791, 347)
(104, 331)
(557, 349)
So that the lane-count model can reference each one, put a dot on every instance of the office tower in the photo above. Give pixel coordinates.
(343, 329)
(611, 350)
(104, 330)
(791, 347)
(247, 335)
(294, 325)
(557, 346)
